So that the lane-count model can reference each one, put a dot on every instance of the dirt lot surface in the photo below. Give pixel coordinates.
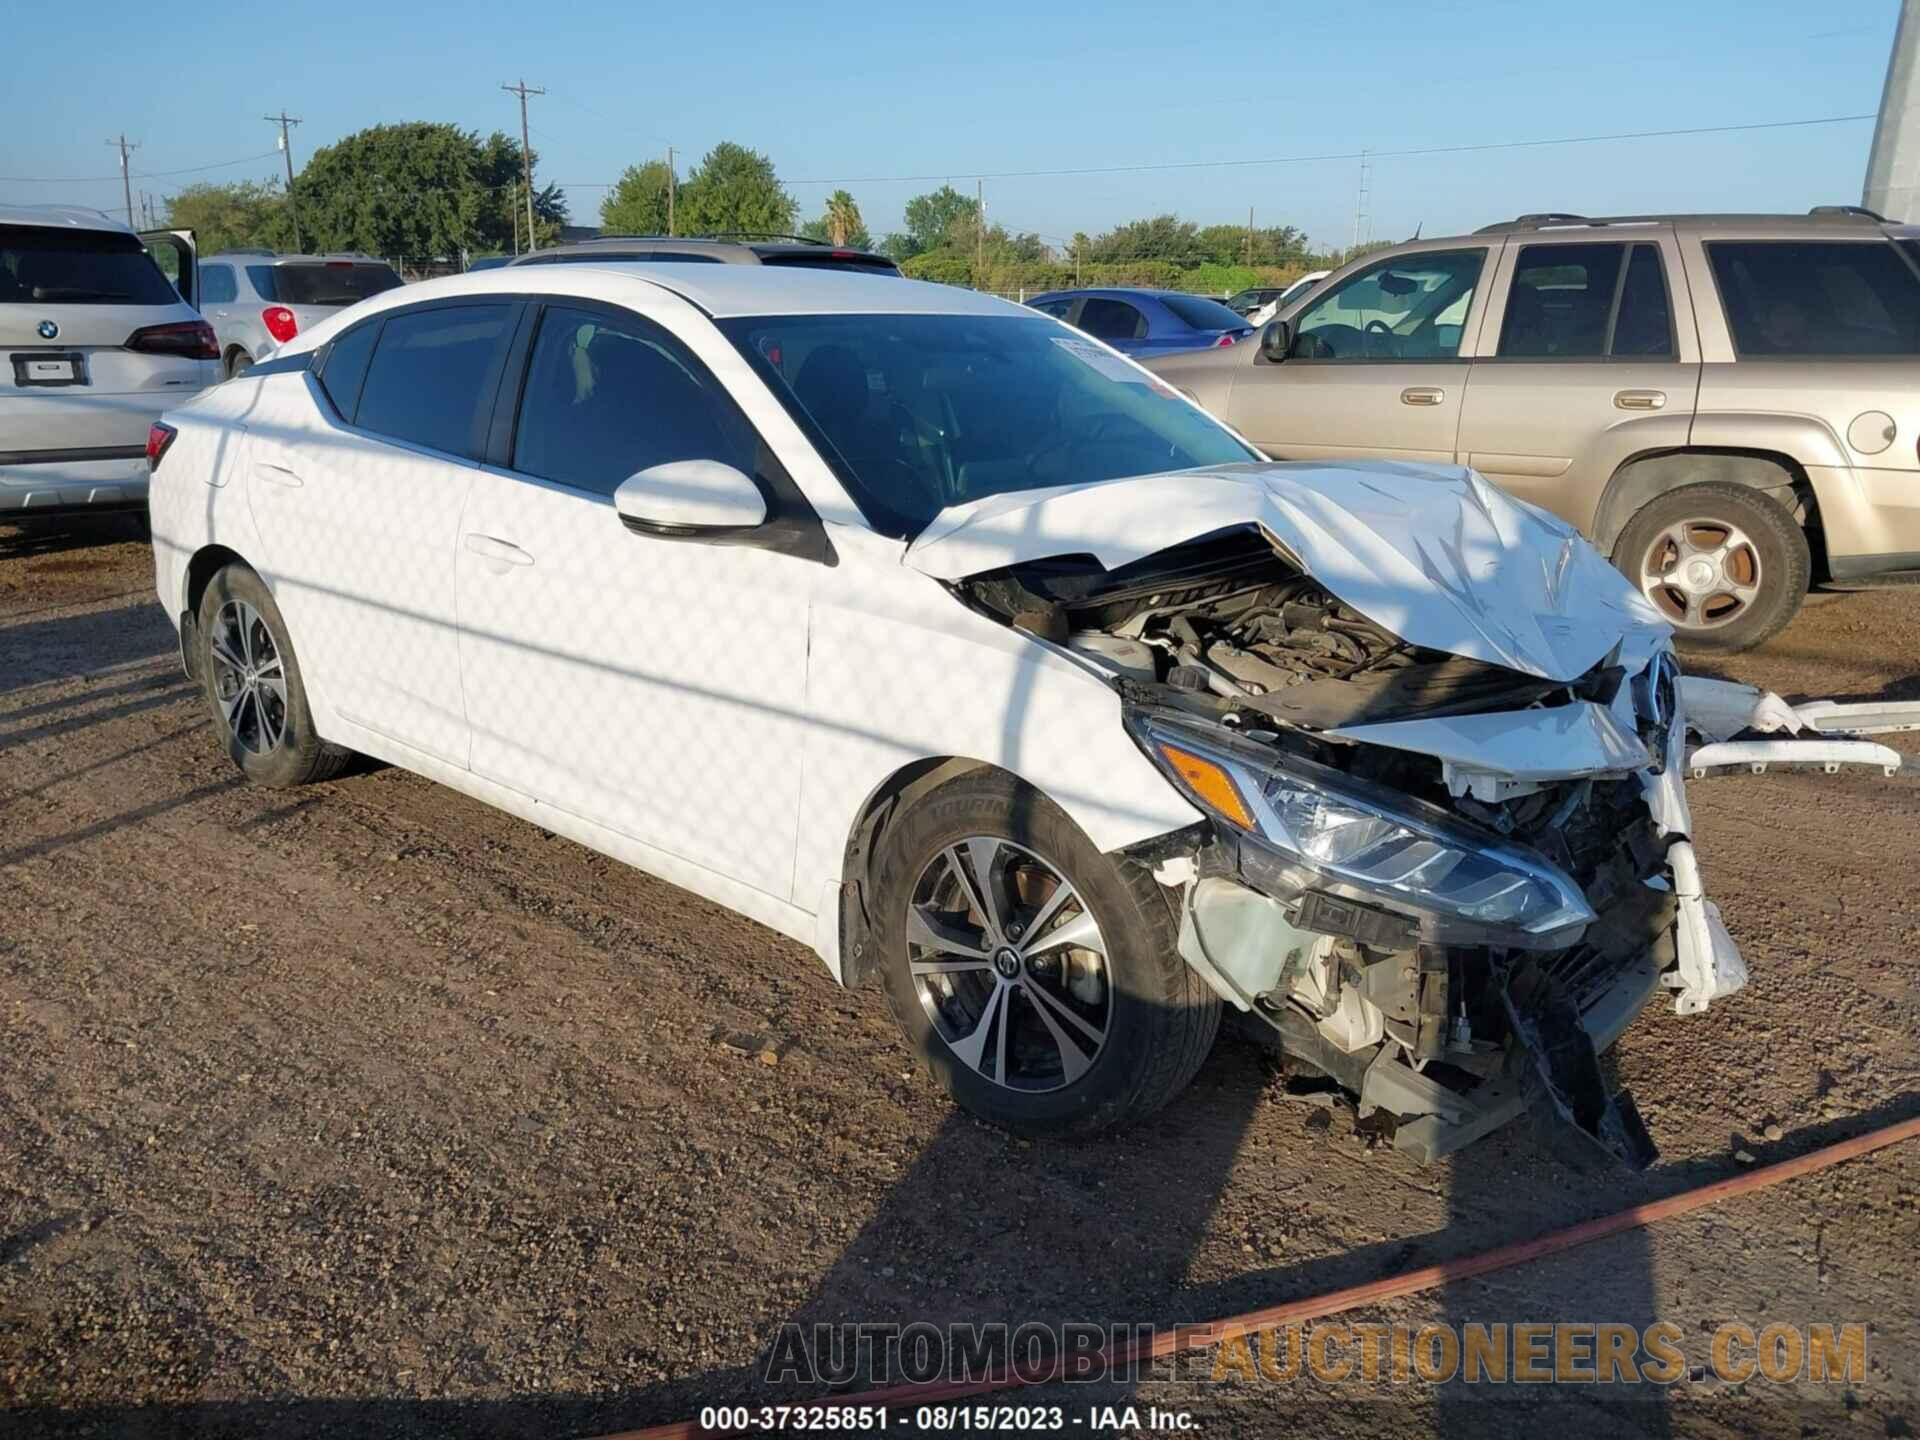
(368, 1110)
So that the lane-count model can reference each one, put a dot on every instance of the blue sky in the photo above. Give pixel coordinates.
(846, 92)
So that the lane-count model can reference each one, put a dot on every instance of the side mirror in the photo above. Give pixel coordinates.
(1276, 341)
(690, 500)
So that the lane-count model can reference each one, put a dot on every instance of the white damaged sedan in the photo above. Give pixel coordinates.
(945, 640)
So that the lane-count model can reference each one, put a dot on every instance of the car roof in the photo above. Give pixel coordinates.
(272, 257)
(722, 291)
(1825, 218)
(62, 217)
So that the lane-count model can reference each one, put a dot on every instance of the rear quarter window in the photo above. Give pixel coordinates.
(1817, 298)
(78, 267)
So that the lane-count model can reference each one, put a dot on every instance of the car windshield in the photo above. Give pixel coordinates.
(333, 282)
(78, 267)
(919, 412)
(1203, 314)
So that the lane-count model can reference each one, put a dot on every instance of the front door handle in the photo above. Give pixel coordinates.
(1422, 395)
(276, 474)
(1640, 399)
(498, 551)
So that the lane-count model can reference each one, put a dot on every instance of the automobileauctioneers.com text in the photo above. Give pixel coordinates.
(1543, 1353)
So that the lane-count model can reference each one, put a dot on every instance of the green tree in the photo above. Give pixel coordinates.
(840, 224)
(241, 215)
(638, 204)
(931, 218)
(420, 189)
(1163, 237)
(734, 189)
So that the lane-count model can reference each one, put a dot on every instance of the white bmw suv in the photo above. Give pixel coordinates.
(947, 641)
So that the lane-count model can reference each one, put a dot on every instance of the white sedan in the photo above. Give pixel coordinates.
(949, 642)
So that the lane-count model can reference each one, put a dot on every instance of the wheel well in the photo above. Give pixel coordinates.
(858, 963)
(208, 562)
(1646, 477)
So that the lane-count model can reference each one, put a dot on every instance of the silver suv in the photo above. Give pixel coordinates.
(94, 344)
(257, 299)
(743, 249)
(1727, 405)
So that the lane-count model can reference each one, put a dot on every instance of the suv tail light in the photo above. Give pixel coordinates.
(189, 339)
(280, 323)
(159, 437)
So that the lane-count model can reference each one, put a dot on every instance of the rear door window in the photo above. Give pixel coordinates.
(1112, 319)
(1586, 302)
(432, 376)
(78, 267)
(1817, 297)
(217, 285)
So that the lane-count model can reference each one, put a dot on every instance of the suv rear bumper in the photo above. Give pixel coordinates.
(56, 482)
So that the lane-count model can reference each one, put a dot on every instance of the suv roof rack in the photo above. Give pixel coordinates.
(1549, 219)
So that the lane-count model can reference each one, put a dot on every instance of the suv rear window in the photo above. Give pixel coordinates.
(1834, 297)
(333, 282)
(78, 267)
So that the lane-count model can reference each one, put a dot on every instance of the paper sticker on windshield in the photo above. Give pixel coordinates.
(1109, 365)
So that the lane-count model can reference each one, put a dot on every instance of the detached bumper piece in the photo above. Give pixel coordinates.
(1566, 1067)
(1753, 730)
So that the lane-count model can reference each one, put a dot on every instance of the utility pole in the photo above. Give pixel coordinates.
(283, 120)
(1360, 216)
(523, 90)
(1893, 164)
(126, 180)
(670, 189)
(1249, 235)
(979, 233)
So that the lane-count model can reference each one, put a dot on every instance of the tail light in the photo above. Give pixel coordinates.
(189, 339)
(159, 437)
(280, 323)
(1224, 341)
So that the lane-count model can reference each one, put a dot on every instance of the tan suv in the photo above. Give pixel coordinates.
(1728, 405)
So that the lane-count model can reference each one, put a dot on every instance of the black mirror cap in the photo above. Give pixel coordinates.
(1276, 341)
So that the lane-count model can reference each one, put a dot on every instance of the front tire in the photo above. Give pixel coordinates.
(253, 686)
(1724, 564)
(1038, 979)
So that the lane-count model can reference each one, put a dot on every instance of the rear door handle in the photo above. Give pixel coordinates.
(498, 551)
(276, 474)
(1640, 399)
(1422, 395)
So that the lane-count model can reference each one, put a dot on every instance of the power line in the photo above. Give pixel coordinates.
(137, 174)
(1335, 155)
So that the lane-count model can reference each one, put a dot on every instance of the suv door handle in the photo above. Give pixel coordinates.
(1422, 395)
(1640, 399)
(498, 551)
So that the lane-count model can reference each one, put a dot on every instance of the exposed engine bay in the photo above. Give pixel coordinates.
(1318, 898)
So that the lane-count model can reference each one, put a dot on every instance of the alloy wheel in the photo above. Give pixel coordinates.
(1701, 573)
(1009, 964)
(249, 678)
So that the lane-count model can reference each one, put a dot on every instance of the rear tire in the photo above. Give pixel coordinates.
(253, 687)
(1724, 564)
(1070, 1014)
(238, 363)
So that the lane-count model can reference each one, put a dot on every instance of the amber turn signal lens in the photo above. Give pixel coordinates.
(1211, 783)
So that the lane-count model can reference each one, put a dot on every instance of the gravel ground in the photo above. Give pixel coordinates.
(368, 1110)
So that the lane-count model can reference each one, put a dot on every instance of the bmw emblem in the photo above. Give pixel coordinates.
(48, 330)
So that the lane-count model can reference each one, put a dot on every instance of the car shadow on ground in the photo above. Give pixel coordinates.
(57, 535)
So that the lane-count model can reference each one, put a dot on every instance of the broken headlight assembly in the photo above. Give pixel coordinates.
(1306, 827)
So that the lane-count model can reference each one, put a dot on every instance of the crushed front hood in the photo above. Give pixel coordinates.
(1433, 553)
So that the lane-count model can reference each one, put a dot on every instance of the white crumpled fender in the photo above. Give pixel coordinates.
(1433, 553)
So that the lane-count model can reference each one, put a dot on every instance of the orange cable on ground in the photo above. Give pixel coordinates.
(1209, 1333)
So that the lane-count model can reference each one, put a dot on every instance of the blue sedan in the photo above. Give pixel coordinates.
(1141, 323)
